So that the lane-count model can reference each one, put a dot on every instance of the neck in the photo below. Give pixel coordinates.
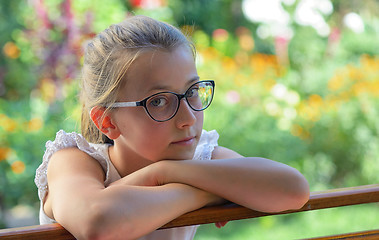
(126, 162)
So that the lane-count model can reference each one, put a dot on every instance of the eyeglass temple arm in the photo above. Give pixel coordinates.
(126, 104)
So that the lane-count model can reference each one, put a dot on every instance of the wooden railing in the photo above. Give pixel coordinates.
(318, 200)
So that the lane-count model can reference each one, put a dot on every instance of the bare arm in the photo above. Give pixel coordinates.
(79, 201)
(256, 183)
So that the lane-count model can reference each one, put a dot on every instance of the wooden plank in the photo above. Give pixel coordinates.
(228, 212)
(318, 200)
(48, 231)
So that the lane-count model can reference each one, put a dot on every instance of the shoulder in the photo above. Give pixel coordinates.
(71, 173)
(71, 153)
(73, 162)
(224, 153)
(74, 148)
(67, 150)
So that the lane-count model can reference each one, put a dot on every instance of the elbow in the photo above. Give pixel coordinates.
(302, 194)
(299, 198)
(293, 194)
(297, 195)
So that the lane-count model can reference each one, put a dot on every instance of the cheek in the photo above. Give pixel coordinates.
(153, 143)
(144, 130)
(133, 118)
(148, 136)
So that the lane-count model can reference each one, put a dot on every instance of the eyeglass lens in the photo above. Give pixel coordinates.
(163, 106)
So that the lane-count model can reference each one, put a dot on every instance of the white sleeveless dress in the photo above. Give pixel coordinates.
(208, 141)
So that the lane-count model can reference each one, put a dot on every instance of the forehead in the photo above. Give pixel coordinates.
(157, 70)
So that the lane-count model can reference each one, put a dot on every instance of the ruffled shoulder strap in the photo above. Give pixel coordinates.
(66, 140)
(206, 145)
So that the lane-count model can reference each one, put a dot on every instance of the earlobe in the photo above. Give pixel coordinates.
(104, 122)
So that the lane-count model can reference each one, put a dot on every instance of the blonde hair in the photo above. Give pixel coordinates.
(109, 55)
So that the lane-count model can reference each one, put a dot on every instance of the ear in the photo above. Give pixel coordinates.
(103, 122)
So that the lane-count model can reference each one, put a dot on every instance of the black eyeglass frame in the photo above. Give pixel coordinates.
(179, 96)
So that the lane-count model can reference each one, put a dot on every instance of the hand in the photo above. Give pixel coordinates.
(147, 176)
(217, 201)
(220, 224)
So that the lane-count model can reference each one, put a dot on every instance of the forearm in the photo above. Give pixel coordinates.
(256, 183)
(144, 209)
(128, 212)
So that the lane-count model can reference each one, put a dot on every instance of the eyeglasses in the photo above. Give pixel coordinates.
(163, 106)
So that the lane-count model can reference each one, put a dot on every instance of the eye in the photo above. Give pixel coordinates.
(193, 92)
(158, 101)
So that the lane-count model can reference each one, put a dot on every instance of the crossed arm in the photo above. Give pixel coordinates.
(150, 197)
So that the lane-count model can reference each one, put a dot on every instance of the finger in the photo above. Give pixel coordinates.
(220, 224)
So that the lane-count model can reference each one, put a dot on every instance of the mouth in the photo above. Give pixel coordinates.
(185, 141)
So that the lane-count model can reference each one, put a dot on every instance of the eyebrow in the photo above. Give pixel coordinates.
(165, 87)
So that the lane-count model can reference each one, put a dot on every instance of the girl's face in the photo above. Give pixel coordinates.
(142, 137)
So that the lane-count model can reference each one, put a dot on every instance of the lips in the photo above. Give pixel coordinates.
(185, 141)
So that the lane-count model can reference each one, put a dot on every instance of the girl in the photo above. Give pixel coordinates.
(143, 159)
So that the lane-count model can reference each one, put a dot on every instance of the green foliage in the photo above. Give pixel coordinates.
(39, 61)
(209, 15)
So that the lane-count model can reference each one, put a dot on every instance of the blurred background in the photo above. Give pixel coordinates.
(297, 82)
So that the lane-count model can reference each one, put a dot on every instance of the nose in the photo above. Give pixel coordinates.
(185, 117)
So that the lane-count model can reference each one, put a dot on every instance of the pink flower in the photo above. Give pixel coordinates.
(233, 97)
(220, 35)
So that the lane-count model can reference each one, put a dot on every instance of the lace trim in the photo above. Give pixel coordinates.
(208, 141)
